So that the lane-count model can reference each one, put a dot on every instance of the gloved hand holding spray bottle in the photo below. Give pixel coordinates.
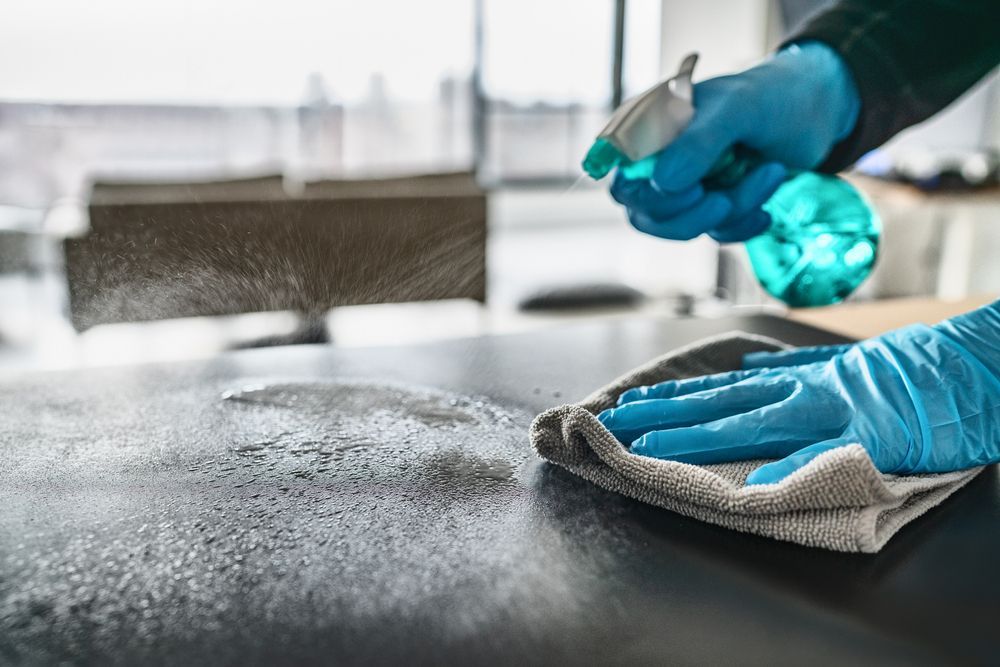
(815, 238)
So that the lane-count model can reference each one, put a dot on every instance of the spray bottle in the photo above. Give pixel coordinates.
(823, 238)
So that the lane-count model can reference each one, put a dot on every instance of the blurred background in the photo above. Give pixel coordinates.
(179, 178)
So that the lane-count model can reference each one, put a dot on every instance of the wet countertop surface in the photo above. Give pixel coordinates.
(330, 506)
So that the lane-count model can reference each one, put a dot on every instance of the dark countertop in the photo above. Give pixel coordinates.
(333, 518)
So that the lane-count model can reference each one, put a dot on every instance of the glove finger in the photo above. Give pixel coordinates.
(797, 357)
(706, 214)
(674, 388)
(747, 227)
(750, 435)
(750, 193)
(691, 155)
(640, 195)
(774, 472)
(632, 420)
(747, 218)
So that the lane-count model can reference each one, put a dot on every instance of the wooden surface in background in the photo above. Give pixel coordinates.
(871, 318)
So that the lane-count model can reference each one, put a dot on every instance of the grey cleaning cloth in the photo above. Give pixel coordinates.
(838, 501)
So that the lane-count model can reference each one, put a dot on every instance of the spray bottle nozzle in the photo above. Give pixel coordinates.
(601, 159)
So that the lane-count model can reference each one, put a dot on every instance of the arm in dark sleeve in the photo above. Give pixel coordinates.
(909, 59)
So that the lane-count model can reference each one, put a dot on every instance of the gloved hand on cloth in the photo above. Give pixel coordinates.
(919, 399)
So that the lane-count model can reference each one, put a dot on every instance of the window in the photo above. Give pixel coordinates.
(169, 88)
(547, 81)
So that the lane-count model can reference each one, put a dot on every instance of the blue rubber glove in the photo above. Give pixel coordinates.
(793, 109)
(919, 400)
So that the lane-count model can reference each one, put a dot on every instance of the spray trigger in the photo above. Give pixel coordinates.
(644, 125)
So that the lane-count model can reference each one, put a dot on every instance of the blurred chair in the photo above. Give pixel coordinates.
(168, 250)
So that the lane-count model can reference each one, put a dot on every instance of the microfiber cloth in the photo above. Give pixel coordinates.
(839, 501)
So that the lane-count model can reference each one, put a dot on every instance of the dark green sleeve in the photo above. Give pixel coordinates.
(909, 59)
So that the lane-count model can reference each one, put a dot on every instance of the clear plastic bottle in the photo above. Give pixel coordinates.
(823, 239)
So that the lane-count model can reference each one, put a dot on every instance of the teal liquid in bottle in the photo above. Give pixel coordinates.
(823, 239)
(822, 242)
